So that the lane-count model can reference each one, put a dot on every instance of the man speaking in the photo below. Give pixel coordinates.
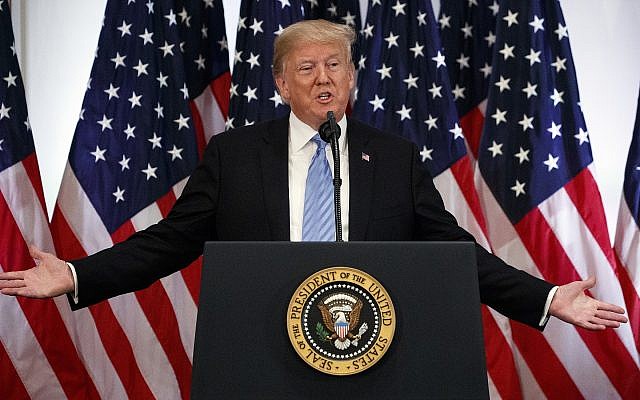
(271, 182)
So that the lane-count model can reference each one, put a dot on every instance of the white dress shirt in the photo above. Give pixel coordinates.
(301, 150)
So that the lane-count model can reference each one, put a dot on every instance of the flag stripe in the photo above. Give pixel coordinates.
(10, 382)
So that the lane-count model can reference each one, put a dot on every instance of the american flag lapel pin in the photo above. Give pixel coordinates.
(365, 157)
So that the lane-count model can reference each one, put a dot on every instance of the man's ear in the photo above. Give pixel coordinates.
(281, 85)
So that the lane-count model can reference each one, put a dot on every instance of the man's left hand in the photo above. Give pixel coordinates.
(572, 305)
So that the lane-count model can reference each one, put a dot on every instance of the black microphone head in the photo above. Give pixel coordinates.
(329, 128)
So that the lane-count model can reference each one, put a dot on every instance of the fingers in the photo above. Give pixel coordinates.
(605, 323)
(610, 307)
(11, 275)
(610, 316)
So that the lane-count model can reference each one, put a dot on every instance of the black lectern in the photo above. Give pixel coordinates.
(242, 349)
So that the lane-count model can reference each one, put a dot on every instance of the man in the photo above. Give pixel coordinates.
(251, 185)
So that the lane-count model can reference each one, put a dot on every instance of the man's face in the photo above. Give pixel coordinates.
(317, 78)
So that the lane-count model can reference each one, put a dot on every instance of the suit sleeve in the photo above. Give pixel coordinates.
(159, 250)
(510, 291)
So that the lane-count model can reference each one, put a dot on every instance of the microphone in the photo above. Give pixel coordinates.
(330, 128)
(330, 132)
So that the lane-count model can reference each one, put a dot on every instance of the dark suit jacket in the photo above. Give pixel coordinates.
(240, 192)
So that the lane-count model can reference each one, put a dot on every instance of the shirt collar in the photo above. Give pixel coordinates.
(300, 133)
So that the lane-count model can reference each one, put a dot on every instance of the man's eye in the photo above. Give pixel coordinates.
(334, 65)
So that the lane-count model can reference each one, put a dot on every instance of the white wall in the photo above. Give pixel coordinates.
(56, 41)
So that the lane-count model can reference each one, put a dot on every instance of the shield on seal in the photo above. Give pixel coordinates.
(342, 328)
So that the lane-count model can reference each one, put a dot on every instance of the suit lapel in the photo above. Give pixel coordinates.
(361, 171)
(275, 181)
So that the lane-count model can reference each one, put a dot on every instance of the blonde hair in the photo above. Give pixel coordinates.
(311, 31)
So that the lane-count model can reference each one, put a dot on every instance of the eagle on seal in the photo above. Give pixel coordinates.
(341, 314)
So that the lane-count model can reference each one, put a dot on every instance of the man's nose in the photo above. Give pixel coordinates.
(323, 77)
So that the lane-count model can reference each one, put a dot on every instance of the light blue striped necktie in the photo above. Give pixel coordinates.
(318, 223)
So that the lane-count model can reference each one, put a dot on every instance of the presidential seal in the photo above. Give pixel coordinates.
(341, 321)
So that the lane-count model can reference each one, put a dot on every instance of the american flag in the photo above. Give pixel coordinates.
(37, 355)
(403, 87)
(254, 97)
(543, 206)
(627, 242)
(158, 90)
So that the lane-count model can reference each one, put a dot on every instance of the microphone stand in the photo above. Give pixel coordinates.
(330, 132)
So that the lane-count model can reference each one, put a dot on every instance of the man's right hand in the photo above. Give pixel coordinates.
(49, 278)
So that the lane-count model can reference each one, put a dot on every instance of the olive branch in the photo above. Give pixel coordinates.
(321, 332)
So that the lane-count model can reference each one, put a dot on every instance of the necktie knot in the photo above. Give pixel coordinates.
(321, 144)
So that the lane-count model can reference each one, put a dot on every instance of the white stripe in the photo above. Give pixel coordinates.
(457, 204)
(25, 352)
(586, 256)
(493, 391)
(212, 118)
(627, 243)
(174, 285)
(179, 187)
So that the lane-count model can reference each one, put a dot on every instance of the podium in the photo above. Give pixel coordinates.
(242, 349)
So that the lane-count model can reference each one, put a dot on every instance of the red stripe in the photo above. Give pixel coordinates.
(471, 124)
(115, 341)
(159, 311)
(10, 382)
(583, 192)
(631, 300)
(463, 173)
(500, 363)
(555, 266)
(220, 88)
(546, 367)
(43, 316)
(191, 276)
(199, 128)
(166, 202)
(68, 247)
